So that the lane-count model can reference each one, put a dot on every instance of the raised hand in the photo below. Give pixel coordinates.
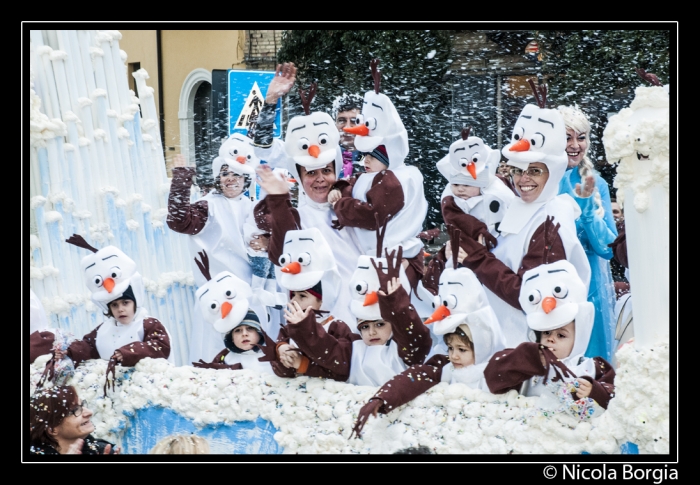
(294, 314)
(587, 189)
(111, 367)
(270, 182)
(369, 409)
(281, 84)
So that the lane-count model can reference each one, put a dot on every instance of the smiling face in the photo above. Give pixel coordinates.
(232, 183)
(560, 340)
(317, 183)
(123, 310)
(530, 187)
(245, 337)
(460, 351)
(377, 332)
(576, 146)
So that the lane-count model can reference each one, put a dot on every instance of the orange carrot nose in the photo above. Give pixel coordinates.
(370, 298)
(426, 254)
(241, 159)
(314, 151)
(357, 130)
(109, 284)
(225, 309)
(440, 312)
(549, 304)
(520, 146)
(471, 168)
(293, 268)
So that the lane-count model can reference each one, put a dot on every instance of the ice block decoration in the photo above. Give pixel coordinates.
(97, 169)
(638, 137)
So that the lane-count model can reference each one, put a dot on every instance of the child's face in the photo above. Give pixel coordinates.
(306, 300)
(465, 191)
(560, 340)
(376, 332)
(373, 165)
(459, 352)
(123, 311)
(245, 337)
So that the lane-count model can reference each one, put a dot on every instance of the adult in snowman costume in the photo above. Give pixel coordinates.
(219, 224)
(312, 155)
(225, 303)
(538, 226)
(395, 192)
(310, 275)
(128, 334)
(470, 332)
(552, 365)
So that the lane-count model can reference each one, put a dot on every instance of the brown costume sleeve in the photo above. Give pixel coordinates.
(345, 186)
(545, 246)
(40, 343)
(436, 266)
(218, 362)
(411, 383)
(85, 349)
(509, 368)
(385, 197)
(469, 226)
(603, 385)
(412, 337)
(619, 246)
(184, 217)
(276, 215)
(329, 355)
(156, 344)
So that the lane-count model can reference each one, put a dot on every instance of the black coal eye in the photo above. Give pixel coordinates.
(534, 297)
(494, 206)
(228, 293)
(560, 291)
(516, 137)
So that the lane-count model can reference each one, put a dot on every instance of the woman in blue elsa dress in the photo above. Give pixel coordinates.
(595, 228)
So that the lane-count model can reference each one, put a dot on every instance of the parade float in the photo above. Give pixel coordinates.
(96, 169)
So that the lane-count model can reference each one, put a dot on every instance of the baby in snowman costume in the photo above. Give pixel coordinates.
(561, 320)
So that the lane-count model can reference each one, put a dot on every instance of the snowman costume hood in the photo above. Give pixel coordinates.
(307, 259)
(471, 162)
(238, 152)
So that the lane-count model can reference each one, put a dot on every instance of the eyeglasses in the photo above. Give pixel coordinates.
(531, 172)
(226, 174)
(78, 411)
(344, 121)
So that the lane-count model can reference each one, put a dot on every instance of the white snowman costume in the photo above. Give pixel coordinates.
(109, 274)
(471, 162)
(224, 303)
(553, 296)
(539, 135)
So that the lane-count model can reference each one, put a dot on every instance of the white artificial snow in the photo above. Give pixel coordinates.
(132, 225)
(315, 416)
(52, 216)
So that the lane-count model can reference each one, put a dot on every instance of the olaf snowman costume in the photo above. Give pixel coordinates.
(225, 303)
(471, 162)
(308, 264)
(396, 192)
(218, 225)
(530, 232)
(111, 275)
(553, 296)
(311, 141)
(461, 305)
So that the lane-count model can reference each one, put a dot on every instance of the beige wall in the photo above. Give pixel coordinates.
(182, 52)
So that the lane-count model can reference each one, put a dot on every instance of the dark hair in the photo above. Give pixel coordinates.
(463, 337)
(347, 102)
(47, 410)
(415, 450)
(109, 308)
(217, 180)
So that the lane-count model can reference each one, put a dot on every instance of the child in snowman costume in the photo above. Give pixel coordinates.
(554, 366)
(128, 334)
(311, 153)
(222, 224)
(225, 304)
(473, 188)
(311, 277)
(471, 334)
(389, 187)
(385, 346)
(538, 226)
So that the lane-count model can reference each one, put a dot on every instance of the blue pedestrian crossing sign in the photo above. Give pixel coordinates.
(246, 95)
